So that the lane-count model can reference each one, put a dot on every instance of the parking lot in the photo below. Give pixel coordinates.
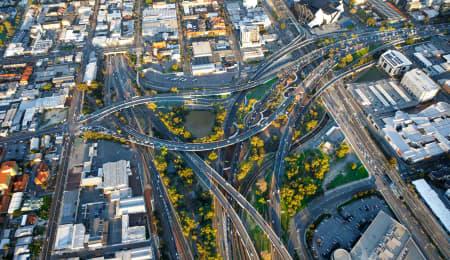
(343, 229)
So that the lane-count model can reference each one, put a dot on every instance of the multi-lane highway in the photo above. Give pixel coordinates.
(263, 73)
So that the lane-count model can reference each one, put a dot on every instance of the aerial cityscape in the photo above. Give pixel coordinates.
(225, 129)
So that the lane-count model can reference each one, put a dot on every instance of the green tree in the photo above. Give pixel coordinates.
(342, 150)
(393, 161)
(212, 156)
(152, 106)
(47, 86)
(93, 85)
(82, 87)
(371, 21)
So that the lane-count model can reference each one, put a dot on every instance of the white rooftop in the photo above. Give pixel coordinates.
(396, 58)
(115, 175)
(434, 202)
(418, 136)
(422, 80)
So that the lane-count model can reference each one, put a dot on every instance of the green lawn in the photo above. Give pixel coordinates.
(350, 175)
(259, 91)
(371, 75)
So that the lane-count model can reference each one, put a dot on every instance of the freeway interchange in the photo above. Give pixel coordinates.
(266, 71)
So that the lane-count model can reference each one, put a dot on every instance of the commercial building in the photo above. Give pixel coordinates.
(250, 36)
(386, 239)
(115, 176)
(394, 62)
(420, 85)
(415, 137)
(250, 3)
(433, 201)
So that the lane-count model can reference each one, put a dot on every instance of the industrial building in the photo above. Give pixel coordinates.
(201, 49)
(115, 176)
(131, 206)
(159, 20)
(415, 137)
(386, 239)
(142, 253)
(70, 236)
(131, 234)
(433, 201)
(69, 206)
(420, 85)
(394, 63)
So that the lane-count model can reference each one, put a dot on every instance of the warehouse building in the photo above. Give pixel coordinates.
(70, 236)
(201, 49)
(420, 85)
(433, 201)
(394, 63)
(142, 253)
(131, 206)
(115, 176)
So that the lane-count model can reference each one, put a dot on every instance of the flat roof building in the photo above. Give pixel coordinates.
(142, 253)
(16, 201)
(201, 49)
(70, 206)
(433, 201)
(386, 239)
(131, 206)
(394, 62)
(250, 36)
(70, 236)
(415, 137)
(420, 85)
(115, 175)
